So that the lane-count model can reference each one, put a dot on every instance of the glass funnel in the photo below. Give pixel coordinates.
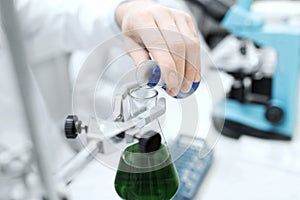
(146, 170)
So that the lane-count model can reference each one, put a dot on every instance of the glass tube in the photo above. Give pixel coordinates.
(142, 98)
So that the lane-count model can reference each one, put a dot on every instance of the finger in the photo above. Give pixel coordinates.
(137, 52)
(156, 45)
(197, 78)
(174, 42)
(191, 24)
(192, 61)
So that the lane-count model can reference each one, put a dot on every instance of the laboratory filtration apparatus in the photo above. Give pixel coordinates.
(146, 169)
(259, 104)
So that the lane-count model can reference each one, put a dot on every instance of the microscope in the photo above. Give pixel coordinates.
(259, 104)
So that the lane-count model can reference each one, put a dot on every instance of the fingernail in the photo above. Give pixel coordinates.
(173, 80)
(186, 86)
(197, 78)
(171, 92)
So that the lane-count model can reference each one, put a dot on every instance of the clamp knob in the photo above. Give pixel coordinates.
(150, 142)
(73, 127)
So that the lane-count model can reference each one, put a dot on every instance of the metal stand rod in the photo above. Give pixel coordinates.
(27, 89)
(67, 173)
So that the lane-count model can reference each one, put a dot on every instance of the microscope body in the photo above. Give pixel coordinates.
(273, 117)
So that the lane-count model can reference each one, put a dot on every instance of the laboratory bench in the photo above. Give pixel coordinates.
(248, 168)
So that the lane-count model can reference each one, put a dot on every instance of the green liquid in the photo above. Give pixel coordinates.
(160, 184)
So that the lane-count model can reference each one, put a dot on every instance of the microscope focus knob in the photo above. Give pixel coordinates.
(150, 142)
(70, 126)
(274, 114)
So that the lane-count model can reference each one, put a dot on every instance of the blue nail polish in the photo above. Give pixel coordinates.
(155, 77)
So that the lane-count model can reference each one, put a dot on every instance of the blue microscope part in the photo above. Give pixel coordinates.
(156, 76)
(245, 4)
(285, 39)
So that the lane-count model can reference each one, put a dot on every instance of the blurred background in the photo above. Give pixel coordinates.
(253, 48)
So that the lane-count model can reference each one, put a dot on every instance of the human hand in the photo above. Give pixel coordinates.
(170, 37)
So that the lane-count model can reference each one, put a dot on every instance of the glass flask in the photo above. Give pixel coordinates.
(146, 172)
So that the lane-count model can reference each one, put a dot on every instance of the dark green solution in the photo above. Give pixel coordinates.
(136, 184)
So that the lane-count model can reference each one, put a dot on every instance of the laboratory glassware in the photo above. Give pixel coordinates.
(146, 170)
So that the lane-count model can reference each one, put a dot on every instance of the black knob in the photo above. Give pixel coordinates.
(150, 142)
(70, 126)
(274, 114)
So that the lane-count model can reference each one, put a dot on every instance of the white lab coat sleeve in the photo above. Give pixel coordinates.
(51, 26)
